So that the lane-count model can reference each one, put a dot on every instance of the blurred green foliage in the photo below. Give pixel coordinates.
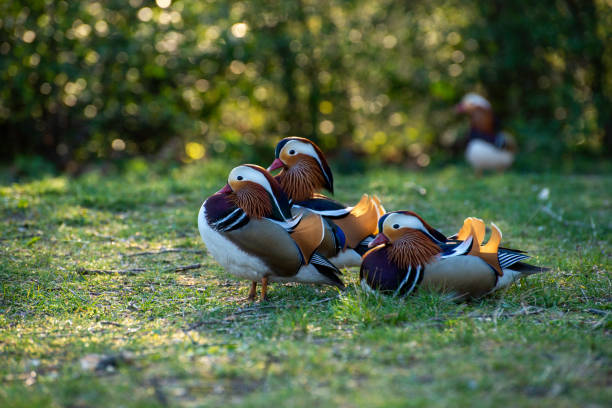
(188, 79)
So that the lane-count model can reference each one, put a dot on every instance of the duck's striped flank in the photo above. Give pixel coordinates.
(412, 278)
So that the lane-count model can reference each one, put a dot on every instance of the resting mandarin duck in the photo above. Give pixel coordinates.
(248, 227)
(488, 147)
(409, 254)
(304, 173)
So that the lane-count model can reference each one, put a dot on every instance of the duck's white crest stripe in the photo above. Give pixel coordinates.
(328, 213)
(238, 221)
(227, 217)
(313, 153)
(280, 209)
(288, 224)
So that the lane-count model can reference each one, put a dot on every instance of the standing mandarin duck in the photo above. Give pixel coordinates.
(409, 254)
(488, 148)
(249, 229)
(304, 173)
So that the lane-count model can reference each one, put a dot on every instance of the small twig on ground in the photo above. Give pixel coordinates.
(184, 268)
(164, 251)
(134, 271)
(107, 323)
(598, 312)
(131, 271)
(77, 295)
(107, 237)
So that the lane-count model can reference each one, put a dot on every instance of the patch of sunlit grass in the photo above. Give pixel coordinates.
(154, 337)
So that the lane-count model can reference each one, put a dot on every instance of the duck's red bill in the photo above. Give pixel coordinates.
(226, 189)
(276, 164)
(380, 239)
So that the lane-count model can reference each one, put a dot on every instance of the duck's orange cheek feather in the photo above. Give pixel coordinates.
(253, 199)
(288, 159)
(395, 234)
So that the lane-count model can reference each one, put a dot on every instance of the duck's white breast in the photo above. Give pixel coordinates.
(229, 255)
(483, 155)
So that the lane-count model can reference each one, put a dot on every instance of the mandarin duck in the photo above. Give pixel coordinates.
(408, 254)
(488, 147)
(248, 227)
(304, 172)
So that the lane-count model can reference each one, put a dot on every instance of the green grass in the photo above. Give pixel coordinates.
(166, 338)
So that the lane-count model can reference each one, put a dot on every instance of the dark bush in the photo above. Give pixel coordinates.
(89, 79)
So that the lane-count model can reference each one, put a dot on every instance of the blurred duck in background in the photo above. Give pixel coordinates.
(488, 147)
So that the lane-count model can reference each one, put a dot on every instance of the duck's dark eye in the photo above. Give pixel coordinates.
(395, 226)
(239, 177)
(291, 151)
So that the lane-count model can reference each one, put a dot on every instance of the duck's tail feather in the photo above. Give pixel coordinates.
(527, 269)
(327, 269)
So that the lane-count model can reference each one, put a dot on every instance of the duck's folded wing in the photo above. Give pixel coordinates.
(309, 234)
(379, 207)
(270, 243)
(360, 222)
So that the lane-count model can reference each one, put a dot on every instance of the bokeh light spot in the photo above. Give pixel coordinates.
(45, 88)
(70, 100)
(118, 145)
(396, 119)
(194, 150)
(423, 160)
(28, 36)
(163, 3)
(326, 127)
(389, 41)
(455, 70)
(145, 14)
(237, 67)
(202, 85)
(458, 56)
(239, 30)
(326, 107)
(90, 111)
